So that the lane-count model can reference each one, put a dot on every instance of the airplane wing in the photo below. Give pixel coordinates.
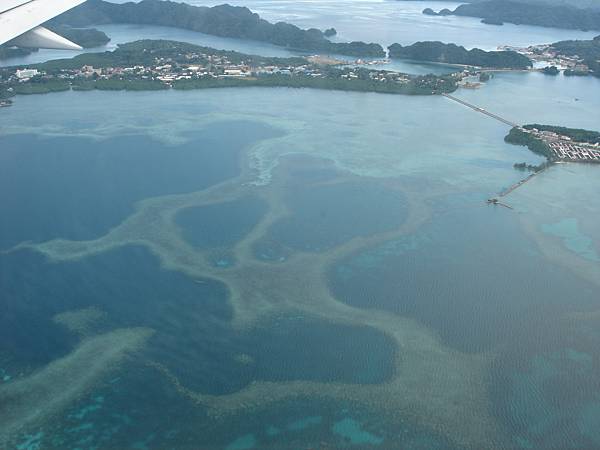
(20, 22)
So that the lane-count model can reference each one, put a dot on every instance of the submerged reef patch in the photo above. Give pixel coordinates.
(431, 384)
(29, 402)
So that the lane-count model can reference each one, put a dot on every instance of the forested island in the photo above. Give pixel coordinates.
(156, 64)
(517, 136)
(223, 20)
(86, 37)
(453, 54)
(551, 70)
(528, 13)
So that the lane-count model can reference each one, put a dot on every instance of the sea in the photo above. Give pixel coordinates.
(277, 268)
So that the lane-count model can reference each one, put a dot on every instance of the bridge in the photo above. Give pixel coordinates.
(481, 110)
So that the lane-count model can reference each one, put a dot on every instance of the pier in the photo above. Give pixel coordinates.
(481, 110)
(518, 184)
(504, 193)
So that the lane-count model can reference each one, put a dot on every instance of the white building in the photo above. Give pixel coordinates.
(26, 73)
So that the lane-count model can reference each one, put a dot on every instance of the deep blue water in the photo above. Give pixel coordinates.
(485, 283)
(469, 274)
(221, 224)
(326, 215)
(77, 188)
(194, 339)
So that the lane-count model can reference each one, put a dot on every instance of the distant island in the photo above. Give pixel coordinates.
(86, 37)
(157, 64)
(435, 51)
(223, 20)
(556, 15)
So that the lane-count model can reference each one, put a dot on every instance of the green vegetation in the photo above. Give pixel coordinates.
(425, 85)
(490, 21)
(550, 70)
(11, 52)
(86, 37)
(119, 85)
(547, 15)
(37, 85)
(577, 134)
(575, 73)
(587, 50)
(524, 167)
(223, 20)
(484, 76)
(517, 136)
(147, 55)
(5, 93)
(145, 52)
(454, 54)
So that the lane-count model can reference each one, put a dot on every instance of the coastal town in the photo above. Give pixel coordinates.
(166, 71)
(564, 148)
(167, 64)
(547, 55)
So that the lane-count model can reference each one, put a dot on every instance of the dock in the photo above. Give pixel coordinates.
(508, 190)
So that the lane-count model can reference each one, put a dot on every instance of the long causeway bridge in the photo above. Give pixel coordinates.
(481, 110)
(496, 200)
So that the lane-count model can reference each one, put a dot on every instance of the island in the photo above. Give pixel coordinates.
(551, 70)
(160, 64)
(490, 21)
(435, 51)
(7, 52)
(555, 15)
(558, 143)
(85, 37)
(223, 20)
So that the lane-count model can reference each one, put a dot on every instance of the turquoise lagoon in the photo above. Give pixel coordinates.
(362, 203)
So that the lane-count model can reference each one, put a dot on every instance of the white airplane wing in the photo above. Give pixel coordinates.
(20, 22)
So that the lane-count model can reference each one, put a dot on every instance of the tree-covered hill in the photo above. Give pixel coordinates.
(223, 20)
(454, 54)
(86, 37)
(545, 15)
(587, 50)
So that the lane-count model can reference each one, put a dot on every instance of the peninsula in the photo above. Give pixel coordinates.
(453, 54)
(223, 20)
(153, 65)
(558, 143)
